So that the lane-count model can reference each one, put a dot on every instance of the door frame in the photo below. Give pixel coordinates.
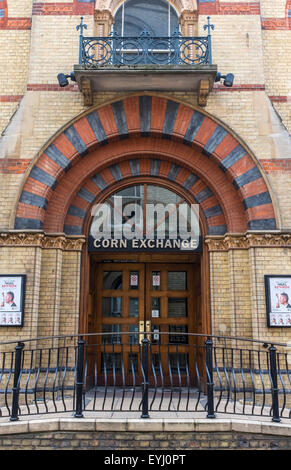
(204, 324)
(144, 291)
(86, 257)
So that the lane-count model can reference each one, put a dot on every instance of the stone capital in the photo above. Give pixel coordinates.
(248, 240)
(41, 240)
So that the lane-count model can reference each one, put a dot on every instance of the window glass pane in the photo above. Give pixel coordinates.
(152, 15)
(167, 216)
(130, 194)
(127, 207)
(161, 212)
(158, 194)
(133, 338)
(157, 364)
(177, 307)
(110, 362)
(132, 363)
(112, 280)
(111, 338)
(156, 307)
(111, 306)
(177, 280)
(133, 307)
(178, 363)
(178, 338)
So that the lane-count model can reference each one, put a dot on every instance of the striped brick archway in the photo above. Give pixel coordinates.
(140, 137)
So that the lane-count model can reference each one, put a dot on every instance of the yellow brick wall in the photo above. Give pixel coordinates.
(14, 57)
(19, 8)
(267, 261)
(237, 46)
(54, 46)
(220, 288)
(9, 188)
(70, 293)
(237, 287)
(13, 72)
(6, 112)
(52, 291)
(270, 9)
(281, 184)
(277, 71)
(49, 300)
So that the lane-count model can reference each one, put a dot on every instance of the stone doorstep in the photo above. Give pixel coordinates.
(141, 425)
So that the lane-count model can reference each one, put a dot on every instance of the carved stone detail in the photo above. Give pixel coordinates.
(104, 21)
(203, 92)
(86, 89)
(188, 23)
(111, 5)
(42, 240)
(21, 239)
(248, 240)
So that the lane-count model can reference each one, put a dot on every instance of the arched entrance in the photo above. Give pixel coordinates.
(134, 141)
(145, 277)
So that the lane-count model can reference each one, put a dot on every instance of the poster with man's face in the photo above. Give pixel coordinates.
(278, 300)
(11, 300)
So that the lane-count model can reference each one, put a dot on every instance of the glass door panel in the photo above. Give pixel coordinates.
(119, 311)
(170, 309)
(138, 297)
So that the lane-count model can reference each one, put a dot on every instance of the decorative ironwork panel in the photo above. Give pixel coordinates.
(144, 50)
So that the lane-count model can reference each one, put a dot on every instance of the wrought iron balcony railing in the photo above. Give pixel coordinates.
(121, 372)
(145, 49)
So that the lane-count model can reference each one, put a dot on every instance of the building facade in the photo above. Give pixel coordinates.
(151, 136)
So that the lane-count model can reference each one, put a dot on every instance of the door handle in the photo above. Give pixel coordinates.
(141, 331)
(144, 328)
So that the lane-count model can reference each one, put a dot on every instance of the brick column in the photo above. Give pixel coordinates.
(103, 22)
(188, 23)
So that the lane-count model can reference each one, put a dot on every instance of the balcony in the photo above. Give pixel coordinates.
(145, 63)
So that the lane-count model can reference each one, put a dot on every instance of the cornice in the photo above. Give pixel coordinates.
(64, 242)
(248, 240)
(58, 241)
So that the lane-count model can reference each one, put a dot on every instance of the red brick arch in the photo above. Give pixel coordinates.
(195, 151)
(3, 13)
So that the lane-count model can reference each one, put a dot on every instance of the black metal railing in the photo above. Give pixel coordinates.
(99, 373)
(144, 49)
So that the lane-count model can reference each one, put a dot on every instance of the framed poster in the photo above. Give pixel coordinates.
(12, 295)
(278, 300)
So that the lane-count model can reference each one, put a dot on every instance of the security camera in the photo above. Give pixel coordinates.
(63, 79)
(228, 79)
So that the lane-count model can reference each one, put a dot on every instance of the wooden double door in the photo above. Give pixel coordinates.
(160, 300)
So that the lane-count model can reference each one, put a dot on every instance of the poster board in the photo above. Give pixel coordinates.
(12, 297)
(278, 300)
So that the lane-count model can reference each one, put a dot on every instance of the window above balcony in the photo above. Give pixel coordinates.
(145, 51)
(158, 17)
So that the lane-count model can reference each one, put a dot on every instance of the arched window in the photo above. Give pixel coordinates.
(146, 211)
(157, 17)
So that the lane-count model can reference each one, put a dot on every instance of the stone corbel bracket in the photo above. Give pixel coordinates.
(203, 92)
(86, 89)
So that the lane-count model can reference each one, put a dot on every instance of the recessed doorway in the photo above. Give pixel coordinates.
(156, 295)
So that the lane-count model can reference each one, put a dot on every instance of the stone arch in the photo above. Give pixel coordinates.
(179, 5)
(191, 146)
(156, 170)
